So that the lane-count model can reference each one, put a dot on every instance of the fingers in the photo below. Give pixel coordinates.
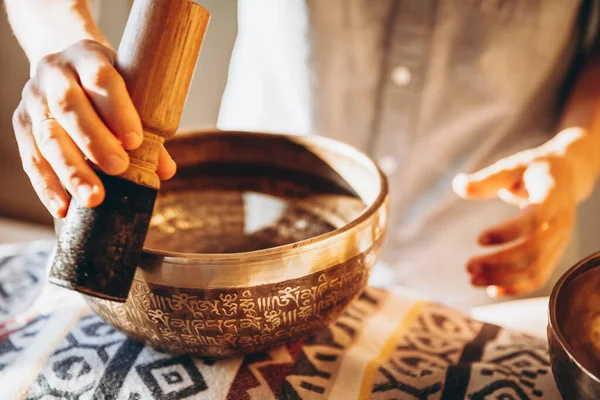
(166, 166)
(77, 107)
(107, 91)
(536, 280)
(43, 179)
(533, 241)
(510, 259)
(486, 183)
(518, 263)
(527, 264)
(543, 202)
(68, 163)
(71, 108)
(524, 224)
(60, 152)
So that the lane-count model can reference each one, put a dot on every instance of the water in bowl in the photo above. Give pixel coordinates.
(226, 208)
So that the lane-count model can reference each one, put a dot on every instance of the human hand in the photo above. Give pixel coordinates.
(75, 111)
(541, 183)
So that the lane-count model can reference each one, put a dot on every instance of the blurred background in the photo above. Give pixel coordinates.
(22, 217)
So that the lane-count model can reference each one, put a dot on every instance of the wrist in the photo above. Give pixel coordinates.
(580, 151)
(50, 27)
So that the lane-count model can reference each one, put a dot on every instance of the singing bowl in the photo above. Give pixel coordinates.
(258, 240)
(574, 331)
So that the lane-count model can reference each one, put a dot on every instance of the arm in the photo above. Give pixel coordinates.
(546, 183)
(75, 109)
(49, 26)
(579, 131)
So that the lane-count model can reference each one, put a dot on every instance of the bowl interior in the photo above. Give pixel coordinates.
(577, 314)
(237, 192)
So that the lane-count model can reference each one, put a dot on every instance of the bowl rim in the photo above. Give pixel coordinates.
(584, 265)
(292, 248)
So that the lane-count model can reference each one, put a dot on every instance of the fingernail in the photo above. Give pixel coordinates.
(474, 268)
(478, 280)
(85, 192)
(173, 163)
(459, 184)
(484, 240)
(55, 207)
(115, 164)
(489, 239)
(132, 140)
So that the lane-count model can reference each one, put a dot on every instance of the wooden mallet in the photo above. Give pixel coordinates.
(99, 248)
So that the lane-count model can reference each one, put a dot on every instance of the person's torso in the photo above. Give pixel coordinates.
(426, 88)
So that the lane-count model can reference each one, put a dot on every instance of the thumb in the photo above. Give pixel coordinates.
(486, 183)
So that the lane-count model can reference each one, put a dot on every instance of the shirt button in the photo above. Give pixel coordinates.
(401, 76)
(388, 165)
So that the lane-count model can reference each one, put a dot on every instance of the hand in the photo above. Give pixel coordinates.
(76, 107)
(541, 183)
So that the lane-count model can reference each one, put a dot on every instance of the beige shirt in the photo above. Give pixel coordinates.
(427, 88)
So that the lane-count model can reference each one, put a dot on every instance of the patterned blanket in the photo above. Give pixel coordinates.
(385, 346)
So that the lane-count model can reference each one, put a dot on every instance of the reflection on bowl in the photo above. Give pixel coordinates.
(574, 331)
(257, 241)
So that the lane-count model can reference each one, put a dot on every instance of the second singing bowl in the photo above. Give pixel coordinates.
(259, 240)
(574, 331)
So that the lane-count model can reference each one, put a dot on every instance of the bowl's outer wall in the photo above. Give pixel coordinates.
(230, 304)
(227, 322)
(572, 382)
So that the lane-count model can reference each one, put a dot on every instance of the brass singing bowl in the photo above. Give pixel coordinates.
(259, 239)
(574, 331)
